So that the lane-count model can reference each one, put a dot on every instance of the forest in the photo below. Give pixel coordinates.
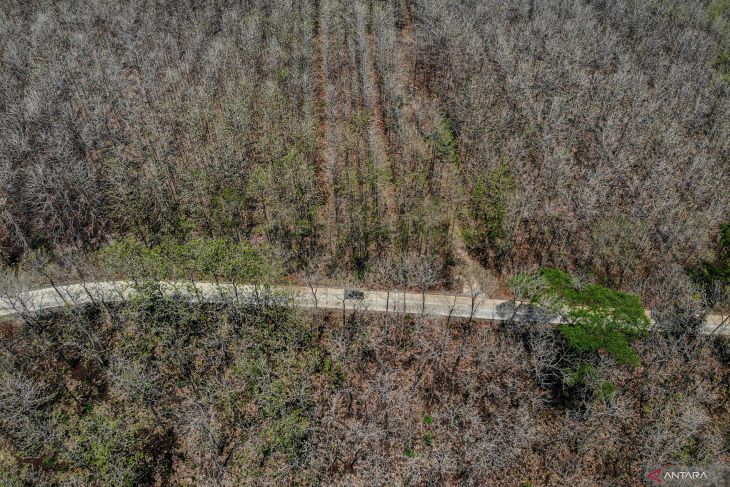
(574, 154)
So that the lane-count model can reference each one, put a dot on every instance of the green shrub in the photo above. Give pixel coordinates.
(715, 273)
(201, 258)
(11, 471)
(594, 305)
(428, 438)
(718, 12)
(488, 205)
(447, 148)
(586, 375)
(580, 375)
(585, 339)
(112, 451)
(605, 390)
(287, 195)
(595, 318)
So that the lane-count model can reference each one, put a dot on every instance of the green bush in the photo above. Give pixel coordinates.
(584, 339)
(595, 318)
(580, 375)
(447, 149)
(594, 305)
(488, 205)
(288, 197)
(428, 438)
(719, 13)
(605, 390)
(586, 375)
(716, 273)
(112, 451)
(202, 258)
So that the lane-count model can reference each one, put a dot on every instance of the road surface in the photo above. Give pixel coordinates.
(459, 306)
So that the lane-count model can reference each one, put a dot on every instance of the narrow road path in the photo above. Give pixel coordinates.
(477, 307)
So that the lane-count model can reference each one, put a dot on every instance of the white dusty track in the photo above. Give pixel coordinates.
(476, 307)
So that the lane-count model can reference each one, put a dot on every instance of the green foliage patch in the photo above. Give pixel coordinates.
(112, 451)
(718, 12)
(586, 339)
(488, 205)
(595, 319)
(288, 199)
(593, 306)
(715, 273)
(447, 148)
(219, 259)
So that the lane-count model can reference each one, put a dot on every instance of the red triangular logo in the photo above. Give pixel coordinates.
(656, 475)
